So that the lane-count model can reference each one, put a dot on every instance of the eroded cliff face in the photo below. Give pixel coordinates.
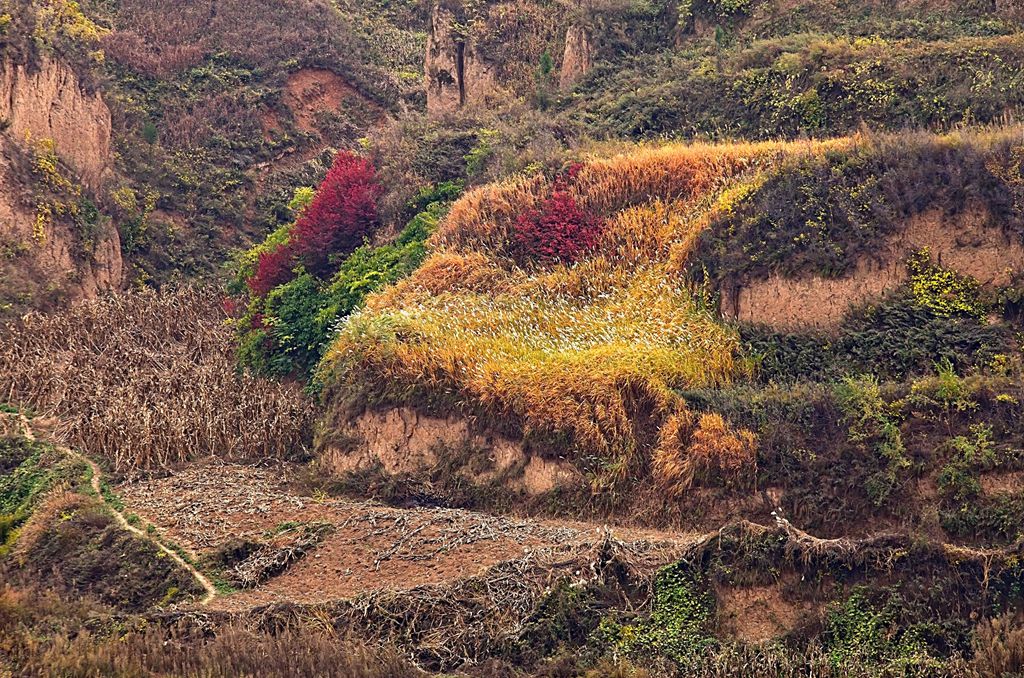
(49, 103)
(578, 57)
(401, 441)
(456, 74)
(48, 254)
(965, 243)
(474, 58)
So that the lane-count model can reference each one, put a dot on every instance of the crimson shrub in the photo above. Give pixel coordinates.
(558, 231)
(342, 214)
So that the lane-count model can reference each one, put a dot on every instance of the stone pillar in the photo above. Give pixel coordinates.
(578, 57)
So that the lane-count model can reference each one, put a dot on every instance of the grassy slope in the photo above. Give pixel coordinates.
(611, 335)
(635, 366)
(208, 145)
(618, 363)
(810, 68)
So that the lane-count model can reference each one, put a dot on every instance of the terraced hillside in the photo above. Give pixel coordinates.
(616, 338)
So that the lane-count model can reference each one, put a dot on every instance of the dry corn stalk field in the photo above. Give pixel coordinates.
(146, 381)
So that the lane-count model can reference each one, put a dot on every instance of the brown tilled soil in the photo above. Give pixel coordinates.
(372, 547)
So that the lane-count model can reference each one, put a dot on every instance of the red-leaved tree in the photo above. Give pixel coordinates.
(558, 231)
(341, 215)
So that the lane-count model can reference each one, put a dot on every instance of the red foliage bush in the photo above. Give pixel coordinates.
(272, 269)
(341, 215)
(559, 231)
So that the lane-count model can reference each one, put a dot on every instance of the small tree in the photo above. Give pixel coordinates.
(335, 222)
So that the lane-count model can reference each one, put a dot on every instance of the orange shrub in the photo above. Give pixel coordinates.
(711, 452)
(446, 272)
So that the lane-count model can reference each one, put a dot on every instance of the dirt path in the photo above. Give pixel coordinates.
(209, 508)
(119, 518)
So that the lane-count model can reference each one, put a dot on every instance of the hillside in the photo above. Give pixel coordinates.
(629, 338)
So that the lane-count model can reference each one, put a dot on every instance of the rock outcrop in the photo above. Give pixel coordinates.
(49, 103)
(456, 74)
(966, 243)
(54, 261)
(578, 57)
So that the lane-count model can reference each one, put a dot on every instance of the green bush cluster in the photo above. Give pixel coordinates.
(970, 453)
(859, 631)
(679, 625)
(286, 333)
(714, 10)
(874, 425)
(998, 518)
(966, 512)
(894, 339)
(945, 292)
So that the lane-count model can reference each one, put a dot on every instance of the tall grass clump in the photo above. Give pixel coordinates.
(148, 380)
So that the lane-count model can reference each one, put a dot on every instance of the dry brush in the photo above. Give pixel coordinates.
(146, 381)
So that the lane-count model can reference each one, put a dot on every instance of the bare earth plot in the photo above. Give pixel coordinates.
(372, 547)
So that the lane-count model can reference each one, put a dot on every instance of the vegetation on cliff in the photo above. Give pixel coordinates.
(610, 282)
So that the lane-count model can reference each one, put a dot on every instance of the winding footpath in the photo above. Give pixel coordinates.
(122, 522)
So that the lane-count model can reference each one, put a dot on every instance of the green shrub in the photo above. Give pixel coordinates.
(894, 339)
(860, 632)
(287, 332)
(945, 395)
(970, 453)
(875, 425)
(966, 512)
(945, 292)
(679, 625)
(997, 518)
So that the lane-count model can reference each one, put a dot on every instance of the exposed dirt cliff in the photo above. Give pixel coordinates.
(486, 55)
(403, 441)
(53, 247)
(964, 243)
(578, 57)
(456, 74)
(50, 103)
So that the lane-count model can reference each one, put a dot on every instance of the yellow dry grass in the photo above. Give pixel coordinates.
(709, 452)
(482, 219)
